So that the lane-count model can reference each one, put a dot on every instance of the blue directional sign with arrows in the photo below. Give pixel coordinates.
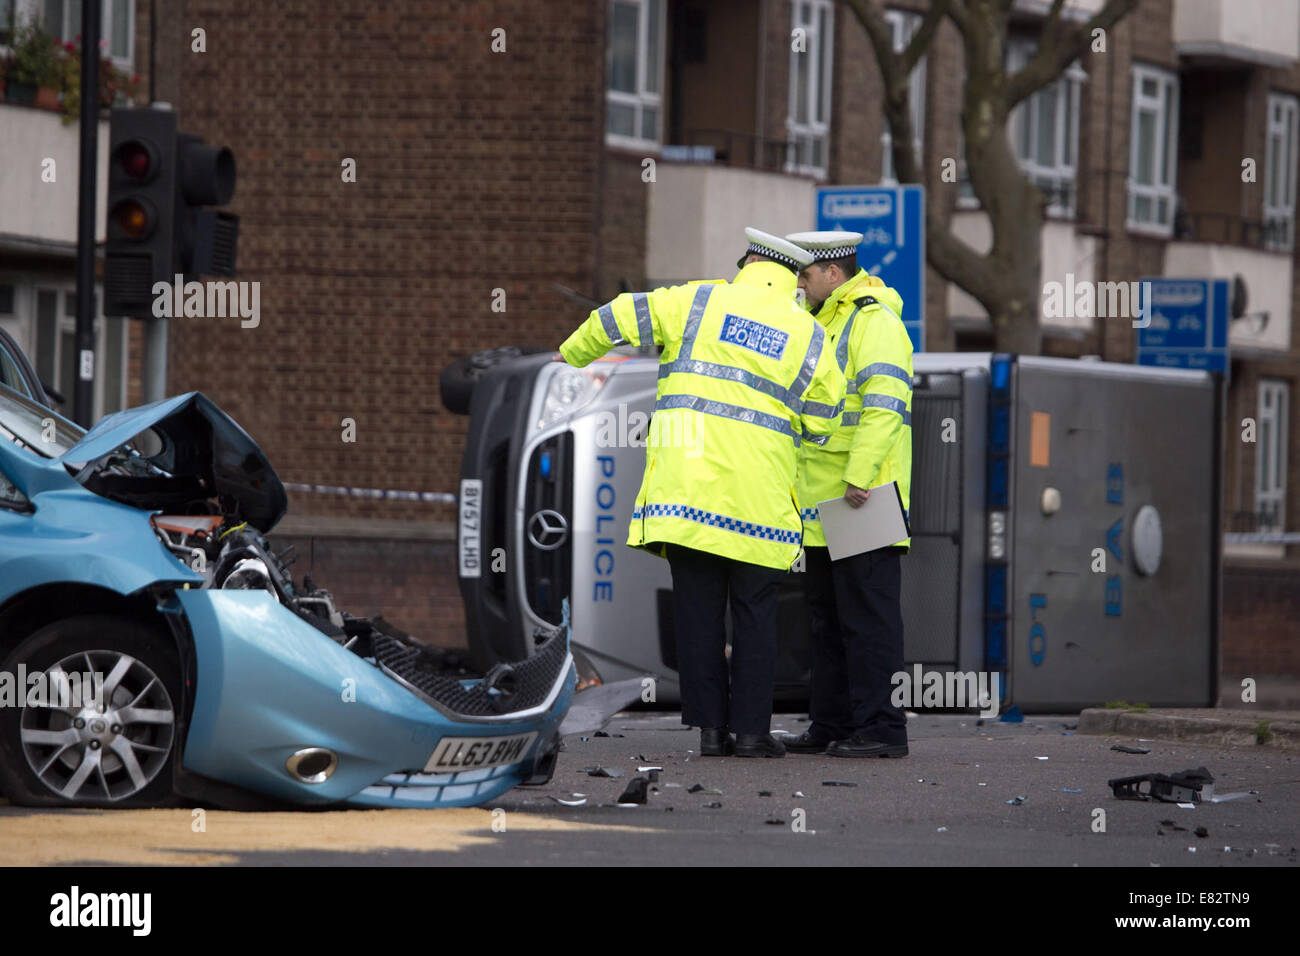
(1184, 323)
(892, 222)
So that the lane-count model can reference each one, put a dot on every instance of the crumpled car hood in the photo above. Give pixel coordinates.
(200, 442)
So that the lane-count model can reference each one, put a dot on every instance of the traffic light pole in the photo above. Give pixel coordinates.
(84, 393)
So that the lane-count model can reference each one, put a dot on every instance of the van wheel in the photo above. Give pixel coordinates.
(457, 381)
(99, 726)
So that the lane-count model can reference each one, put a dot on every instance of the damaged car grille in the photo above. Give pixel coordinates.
(506, 689)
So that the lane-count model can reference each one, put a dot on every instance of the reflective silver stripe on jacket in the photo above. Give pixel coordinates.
(882, 368)
(880, 401)
(809, 361)
(732, 373)
(610, 324)
(692, 328)
(822, 410)
(726, 410)
(645, 329)
(842, 347)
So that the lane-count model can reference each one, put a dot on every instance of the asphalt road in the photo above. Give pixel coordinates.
(945, 804)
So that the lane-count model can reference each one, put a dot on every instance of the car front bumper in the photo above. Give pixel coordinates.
(270, 685)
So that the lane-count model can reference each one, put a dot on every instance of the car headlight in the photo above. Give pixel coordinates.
(569, 390)
(11, 496)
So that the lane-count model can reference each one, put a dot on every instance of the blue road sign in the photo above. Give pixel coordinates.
(1185, 324)
(892, 222)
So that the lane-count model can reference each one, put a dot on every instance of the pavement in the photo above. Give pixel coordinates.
(972, 793)
(1276, 729)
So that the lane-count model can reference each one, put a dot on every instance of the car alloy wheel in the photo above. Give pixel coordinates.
(104, 743)
(105, 740)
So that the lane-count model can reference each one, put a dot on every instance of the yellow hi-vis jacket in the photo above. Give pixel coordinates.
(746, 377)
(873, 445)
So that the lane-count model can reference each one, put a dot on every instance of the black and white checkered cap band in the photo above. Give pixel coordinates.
(780, 257)
(839, 252)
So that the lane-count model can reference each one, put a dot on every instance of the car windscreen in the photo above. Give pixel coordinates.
(35, 427)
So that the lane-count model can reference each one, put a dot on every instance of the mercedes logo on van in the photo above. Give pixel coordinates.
(548, 529)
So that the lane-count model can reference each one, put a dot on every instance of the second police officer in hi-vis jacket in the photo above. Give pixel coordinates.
(855, 614)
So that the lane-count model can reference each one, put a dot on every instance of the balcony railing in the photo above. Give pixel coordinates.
(1274, 235)
(737, 148)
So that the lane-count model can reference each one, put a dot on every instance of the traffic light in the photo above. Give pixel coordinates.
(159, 182)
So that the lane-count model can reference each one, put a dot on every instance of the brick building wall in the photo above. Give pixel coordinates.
(474, 172)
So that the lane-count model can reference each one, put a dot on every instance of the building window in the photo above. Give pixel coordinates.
(903, 25)
(811, 62)
(634, 73)
(55, 354)
(1045, 131)
(7, 22)
(117, 26)
(1280, 173)
(1270, 466)
(1153, 157)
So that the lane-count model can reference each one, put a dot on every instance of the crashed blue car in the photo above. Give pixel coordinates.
(154, 650)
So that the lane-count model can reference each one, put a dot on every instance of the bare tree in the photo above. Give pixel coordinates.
(1006, 281)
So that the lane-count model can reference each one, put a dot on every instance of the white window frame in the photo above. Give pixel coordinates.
(1059, 180)
(72, 26)
(1280, 174)
(820, 50)
(644, 98)
(903, 24)
(22, 324)
(1164, 163)
(1271, 452)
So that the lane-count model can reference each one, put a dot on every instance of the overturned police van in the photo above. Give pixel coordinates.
(1065, 526)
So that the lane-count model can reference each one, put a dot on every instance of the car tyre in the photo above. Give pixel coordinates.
(456, 382)
(114, 752)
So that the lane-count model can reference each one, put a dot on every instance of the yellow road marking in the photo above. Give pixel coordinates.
(161, 837)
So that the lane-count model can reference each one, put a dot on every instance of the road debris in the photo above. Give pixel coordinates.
(1121, 748)
(1225, 797)
(1183, 787)
(601, 772)
(635, 793)
(838, 783)
(1068, 790)
(578, 800)
(1017, 801)
(699, 788)
(713, 806)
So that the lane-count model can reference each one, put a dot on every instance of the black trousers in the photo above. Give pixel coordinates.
(856, 632)
(713, 695)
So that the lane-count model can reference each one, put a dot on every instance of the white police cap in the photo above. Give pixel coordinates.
(827, 245)
(774, 247)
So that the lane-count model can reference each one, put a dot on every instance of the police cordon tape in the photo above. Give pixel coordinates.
(375, 494)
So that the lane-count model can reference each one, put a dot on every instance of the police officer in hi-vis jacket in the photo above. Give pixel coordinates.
(750, 377)
(855, 615)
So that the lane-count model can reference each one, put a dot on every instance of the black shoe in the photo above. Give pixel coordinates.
(716, 742)
(806, 743)
(859, 746)
(758, 745)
